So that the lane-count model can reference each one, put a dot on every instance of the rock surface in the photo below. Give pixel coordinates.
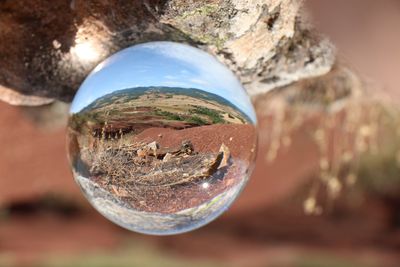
(266, 43)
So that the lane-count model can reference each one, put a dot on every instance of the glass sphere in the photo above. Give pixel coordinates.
(162, 138)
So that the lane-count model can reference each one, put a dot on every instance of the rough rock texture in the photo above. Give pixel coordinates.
(15, 98)
(47, 50)
(267, 43)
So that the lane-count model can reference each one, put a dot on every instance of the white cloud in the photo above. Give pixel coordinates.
(200, 82)
(170, 77)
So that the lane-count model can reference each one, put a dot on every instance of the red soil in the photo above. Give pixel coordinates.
(266, 222)
(239, 138)
(241, 141)
(32, 162)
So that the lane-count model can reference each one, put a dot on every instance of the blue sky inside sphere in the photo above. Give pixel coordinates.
(162, 64)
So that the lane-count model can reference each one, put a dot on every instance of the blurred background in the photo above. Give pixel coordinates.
(304, 206)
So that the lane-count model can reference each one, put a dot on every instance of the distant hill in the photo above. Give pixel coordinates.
(134, 93)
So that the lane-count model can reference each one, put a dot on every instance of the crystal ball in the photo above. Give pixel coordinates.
(161, 138)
